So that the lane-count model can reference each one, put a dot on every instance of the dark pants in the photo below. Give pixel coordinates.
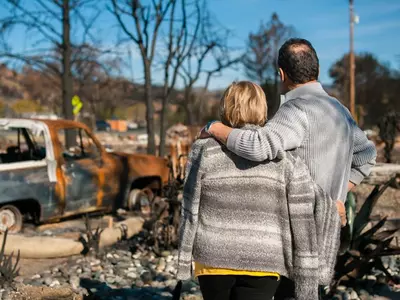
(285, 289)
(237, 287)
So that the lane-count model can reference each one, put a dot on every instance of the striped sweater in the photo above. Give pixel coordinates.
(245, 215)
(321, 131)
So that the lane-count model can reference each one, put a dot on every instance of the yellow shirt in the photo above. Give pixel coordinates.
(200, 269)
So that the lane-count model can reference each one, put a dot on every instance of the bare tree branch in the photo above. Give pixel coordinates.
(261, 56)
(160, 15)
(211, 45)
(147, 20)
(49, 10)
(50, 22)
(118, 14)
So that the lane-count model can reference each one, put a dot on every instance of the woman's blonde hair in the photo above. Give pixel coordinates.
(243, 102)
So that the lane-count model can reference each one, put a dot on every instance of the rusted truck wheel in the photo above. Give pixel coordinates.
(11, 218)
(140, 200)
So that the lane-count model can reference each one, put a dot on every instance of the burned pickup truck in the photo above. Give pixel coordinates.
(43, 179)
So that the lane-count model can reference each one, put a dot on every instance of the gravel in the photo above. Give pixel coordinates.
(115, 274)
(374, 286)
(119, 274)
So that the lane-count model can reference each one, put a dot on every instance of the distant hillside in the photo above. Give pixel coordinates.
(10, 86)
(30, 91)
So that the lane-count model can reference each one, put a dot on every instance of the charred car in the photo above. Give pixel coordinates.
(44, 178)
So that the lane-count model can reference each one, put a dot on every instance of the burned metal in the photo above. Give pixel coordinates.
(166, 216)
(179, 140)
(124, 232)
(161, 227)
(48, 181)
(91, 239)
(8, 269)
(10, 218)
(389, 126)
(165, 232)
(160, 230)
(179, 153)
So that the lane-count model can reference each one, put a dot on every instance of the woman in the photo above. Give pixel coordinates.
(248, 223)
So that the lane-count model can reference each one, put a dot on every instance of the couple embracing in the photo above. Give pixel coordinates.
(263, 200)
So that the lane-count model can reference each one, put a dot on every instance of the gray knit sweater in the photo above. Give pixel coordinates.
(245, 215)
(321, 131)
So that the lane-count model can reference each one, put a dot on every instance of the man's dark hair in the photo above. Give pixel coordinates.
(298, 59)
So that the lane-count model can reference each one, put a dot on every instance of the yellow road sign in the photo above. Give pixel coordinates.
(77, 104)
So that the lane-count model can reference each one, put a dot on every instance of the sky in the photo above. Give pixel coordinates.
(323, 22)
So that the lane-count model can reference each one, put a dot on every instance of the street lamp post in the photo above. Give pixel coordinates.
(352, 62)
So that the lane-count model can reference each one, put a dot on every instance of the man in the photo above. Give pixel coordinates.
(315, 126)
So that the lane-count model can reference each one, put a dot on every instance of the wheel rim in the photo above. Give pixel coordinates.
(8, 219)
(144, 204)
(141, 201)
(145, 201)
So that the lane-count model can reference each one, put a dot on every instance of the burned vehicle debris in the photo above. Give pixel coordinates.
(43, 179)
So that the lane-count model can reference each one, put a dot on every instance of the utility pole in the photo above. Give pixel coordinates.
(67, 80)
(352, 66)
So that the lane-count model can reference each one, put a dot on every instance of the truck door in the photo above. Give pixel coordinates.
(81, 172)
(107, 170)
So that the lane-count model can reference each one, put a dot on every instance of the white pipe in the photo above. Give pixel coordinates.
(53, 247)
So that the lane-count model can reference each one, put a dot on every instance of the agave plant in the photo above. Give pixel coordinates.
(8, 269)
(362, 249)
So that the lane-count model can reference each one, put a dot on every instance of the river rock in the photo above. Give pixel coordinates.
(74, 281)
(353, 295)
(146, 277)
(170, 269)
(110, 279)
(48, 281)
(54, 283)
(165, 253)
(161, 265)
(139, 283)
(131, 275)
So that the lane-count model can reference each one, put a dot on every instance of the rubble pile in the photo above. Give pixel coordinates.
(131, 143)
(123, 143)
(119, 274)
(178, 132)
(131, 270)
(115, 274)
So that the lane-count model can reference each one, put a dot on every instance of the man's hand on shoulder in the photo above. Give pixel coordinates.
(216, 130)
(203, 134)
